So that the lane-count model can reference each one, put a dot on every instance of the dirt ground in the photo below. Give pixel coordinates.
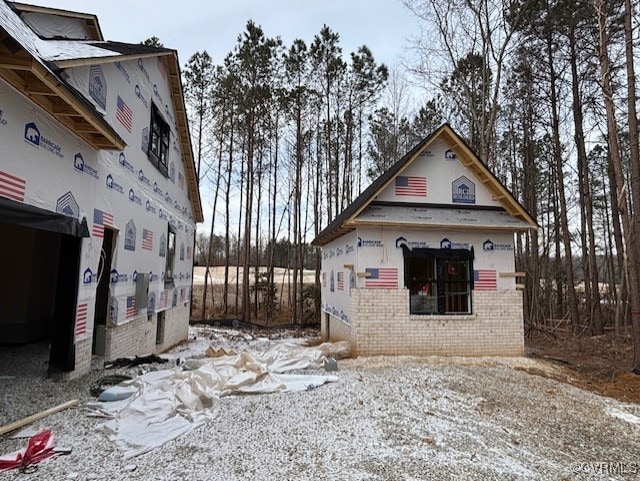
(601, 364)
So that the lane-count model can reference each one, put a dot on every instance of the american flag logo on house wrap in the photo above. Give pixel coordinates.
(163, 300)
(147, 239)
(132, 310)
(81, 319)
(12, 187)
(341, 281)
(124, 114)
(410, 186)
(381, 278)
(101, 219)
(484, 280)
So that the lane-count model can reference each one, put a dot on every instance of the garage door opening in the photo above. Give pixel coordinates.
(40, 257)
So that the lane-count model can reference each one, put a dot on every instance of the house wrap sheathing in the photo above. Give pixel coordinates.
(422, 262)
(98, 191)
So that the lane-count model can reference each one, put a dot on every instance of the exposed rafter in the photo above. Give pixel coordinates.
(33, 80)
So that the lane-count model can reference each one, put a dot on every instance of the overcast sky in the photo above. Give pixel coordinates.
(214, 25)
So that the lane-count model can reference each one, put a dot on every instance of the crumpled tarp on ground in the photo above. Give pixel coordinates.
(170, 403)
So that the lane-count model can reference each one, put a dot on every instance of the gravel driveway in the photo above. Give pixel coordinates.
(388, 418)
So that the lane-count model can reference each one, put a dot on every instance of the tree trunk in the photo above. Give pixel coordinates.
(589, 260)
(557, 154)
(635, 181)
(614, 153)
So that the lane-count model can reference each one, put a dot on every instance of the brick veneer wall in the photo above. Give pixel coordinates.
(135, 338)
(335, 329)
(176, 327)
(381, 324)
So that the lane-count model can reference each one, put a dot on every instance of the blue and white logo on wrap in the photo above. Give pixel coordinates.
(450, 155)
(145, 140)
(3, 120)
(78, 162)
(98, 86)
(133, 197)
(138, 93)
(87, 276)
(151, 304)
(463, 191)
(447, 244)
(32, 133)
(67, 205)
(489, 246)
(130, 236)
(163, 246)
(111, 184)
(143, 178)
(80, 166)
(122, 160)
(143, 70)
(369, 242)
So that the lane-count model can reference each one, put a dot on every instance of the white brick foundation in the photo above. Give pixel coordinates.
(135, 338)
(380, 323)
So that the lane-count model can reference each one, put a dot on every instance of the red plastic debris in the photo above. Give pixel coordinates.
(39, 448)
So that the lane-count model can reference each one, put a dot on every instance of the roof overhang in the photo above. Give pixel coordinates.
(34, 80)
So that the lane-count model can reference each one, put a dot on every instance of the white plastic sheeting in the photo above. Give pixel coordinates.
(170, 403)
(56, 26)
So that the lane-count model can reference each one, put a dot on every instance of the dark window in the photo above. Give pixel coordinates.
(171, 255)
(439, 280)
(159, 141)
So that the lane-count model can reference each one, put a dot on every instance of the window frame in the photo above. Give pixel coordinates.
(438, 281)
(159, 129)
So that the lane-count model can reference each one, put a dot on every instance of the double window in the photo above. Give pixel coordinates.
(439, 280)
(159, 141)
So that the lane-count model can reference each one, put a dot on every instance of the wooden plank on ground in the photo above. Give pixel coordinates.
(34, 417)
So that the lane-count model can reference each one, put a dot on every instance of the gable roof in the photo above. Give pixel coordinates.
(34, 66)
(344, 222)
